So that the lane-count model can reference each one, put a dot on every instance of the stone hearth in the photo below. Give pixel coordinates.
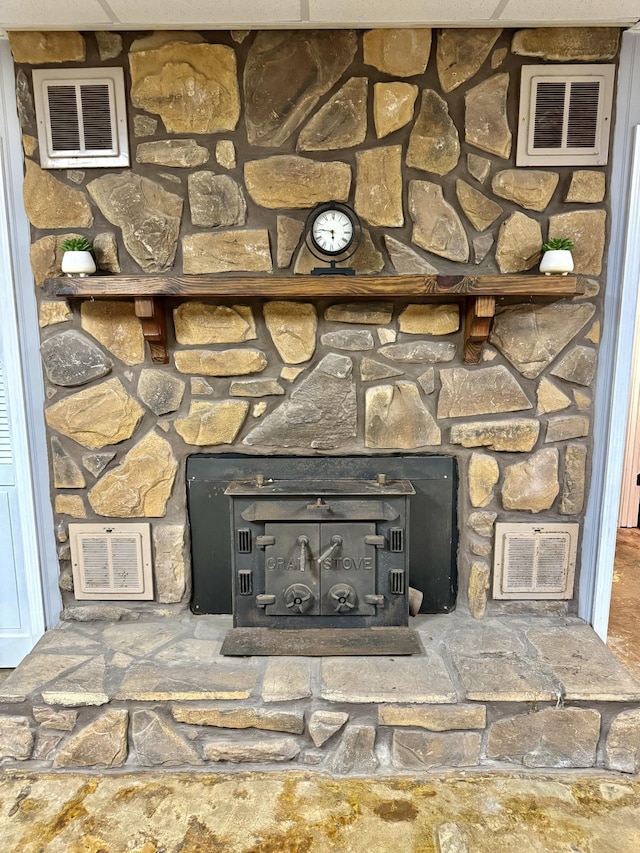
(154, 692)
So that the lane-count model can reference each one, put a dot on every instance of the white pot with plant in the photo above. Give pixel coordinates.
(557, 258)
(77, 258)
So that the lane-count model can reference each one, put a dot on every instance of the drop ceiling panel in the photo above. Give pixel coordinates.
(45, 14)
(240, 13)
(429, 12)
(576, 12)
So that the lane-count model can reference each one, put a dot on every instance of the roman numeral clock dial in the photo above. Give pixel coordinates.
(333, 234)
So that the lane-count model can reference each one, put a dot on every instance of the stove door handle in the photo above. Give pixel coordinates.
(303, 558)
(336, 542)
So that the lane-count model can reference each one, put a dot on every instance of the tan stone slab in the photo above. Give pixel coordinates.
(34, 672)
(240, 718)
(583, 665)
(286, 679)
(254, 750)
(148, 681)
(490, 637)
(423, 680)
(502, 678)
(433, 718)
(141, 638)
(190, 650)
(84, 686)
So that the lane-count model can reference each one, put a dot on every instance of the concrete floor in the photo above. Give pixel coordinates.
(624, 621)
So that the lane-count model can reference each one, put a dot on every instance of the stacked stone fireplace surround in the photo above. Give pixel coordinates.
(415, 129)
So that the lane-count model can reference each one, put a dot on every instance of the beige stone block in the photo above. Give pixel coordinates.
(483, 474)
(140, 485)
(144, 125)
(503, 677)
(530, 188)
(479, 210)
(83, 686)
(258, 410)
(567, 44)
(176, 153)
(170, 567)
(200, 323)
(519, 243)
(423, 751)
(116, 326)
(586, 187)
(291, 373)
(289, 181)
(436, 225)
(550, 397)
(212, 423)
(478, 167)
(461, 53)
(156, 743)
(29, 144)
(109, 45)
(378, 198)
(256, 388)
(193, 87)
(582, 400)
(40, 48)
(622, 750)
(341, 122)
(405, 260)
(102, 743)
(51, 204)
(324, 724)
(226, 154)
(393, 106)
(105, 250)
(62, 721)
(486, 119)
(400, 52)
(396, 417)
(434, 145)
(147, 681)
(434, 718)
(587, 230)
(387, 336)
(477, 590)
(100, 415)
(533, 484)
(251, 750)
(293, 327)
(16, 738)
(564, 427)
(35, 670)
(227, 251)
(498, 57)
(286, 679)
(593, 334)
(240, 718)
(367, 313)
(519, 434)
(482, 522)
(289, 233)
(66, 473)
(230, 362)
(573, 485)
(72, 505)
(479, 391)
(430, 319)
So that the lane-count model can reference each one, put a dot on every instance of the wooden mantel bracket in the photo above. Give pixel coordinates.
(150, 310)
(149, 293)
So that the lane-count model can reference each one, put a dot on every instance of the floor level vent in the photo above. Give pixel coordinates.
(535, 561)
(111, 561)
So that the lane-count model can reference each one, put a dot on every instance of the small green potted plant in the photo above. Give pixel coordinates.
(77, 258)
(557, 258)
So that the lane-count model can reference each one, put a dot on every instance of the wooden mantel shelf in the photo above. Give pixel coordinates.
(149, 292)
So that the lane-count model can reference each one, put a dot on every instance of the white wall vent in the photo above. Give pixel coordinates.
(82, 119)
(565, 115)
(535, 561)
(111, 561)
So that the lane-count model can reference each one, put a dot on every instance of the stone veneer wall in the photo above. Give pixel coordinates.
(234, 137)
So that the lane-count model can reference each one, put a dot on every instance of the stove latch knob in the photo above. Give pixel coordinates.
(376, 600)
(263, 541)
(303, 557)
(343, 597)
(298, 598)
(265, 600)
(336, 542)
(377, 540)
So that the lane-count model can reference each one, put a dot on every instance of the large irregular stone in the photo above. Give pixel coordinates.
(71, 359)
(486, 122)
(192, 680)
(105, 250)
(155, 743)
(38, 48)
(393, 105)
(159, 391)
(100, 415)
(24, 101)
(215, 200)
(586, 187)
(575, 464)
(101, 743)
(256, 388)
(66, 474)
(353, 340)
(289, 233)
(367, 313)
(147, 214)
(200, 323)
(550, 397)
(407, 261)
(292, 326)
(481, 246)
(438, 319)
(51, 204)
(324, 724)
(378, 197)
(567, 44)
(395, 416)
(519, 243)
(420, 352)
(553, 737)
(72, 505)
(277, 99)
(563, 427)
(251, 750)
(228, 362)
(227, 251)
(109, 45)
(367, 260)
(366, 680)
(530, 188)
(356, 751)
(83, 686)
(53, 311)
(34, 671)
(285, 180)
(533, 484)
(179, 153)
(482, 391)
(210, 423)
(371, 370)
(62, 721)
(320, 414)
(578, 365)
(479, 584)
(516, 434)
(433, 718)
(427, 751)
(479, 210)
(141, 484)
(436, 226)
(434, 145)
(622, 749)
(399, 52)
(192, 87)
(341, 122)
(286, 679)
(483, 474)
(264, 719)
(587, 230)
(531, 336)
(116, 326)
(169, 565)
(461, 53)
(16, 738)
(504, 677)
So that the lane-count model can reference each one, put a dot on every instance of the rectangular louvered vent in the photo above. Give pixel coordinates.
(6, 452)
(396, 540)
(111, 561)
(81, 117)
(396, 581)
(244, 540)
(565, 115)
(245, 582)
(535, 561)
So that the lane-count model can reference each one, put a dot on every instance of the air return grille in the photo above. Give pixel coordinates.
(535, 561)
(111, 561)
(81, 117)
(565, 115)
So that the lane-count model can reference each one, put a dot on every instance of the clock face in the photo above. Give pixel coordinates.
(332, 231)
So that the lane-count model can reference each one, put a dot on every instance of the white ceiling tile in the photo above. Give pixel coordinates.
(382, 12)
(45, 14)
(202, 13)
(577, 12)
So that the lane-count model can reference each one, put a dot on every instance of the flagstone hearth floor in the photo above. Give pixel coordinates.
(498, 693)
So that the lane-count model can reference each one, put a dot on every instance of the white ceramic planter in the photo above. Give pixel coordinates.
(557, 262)
(78, 263)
